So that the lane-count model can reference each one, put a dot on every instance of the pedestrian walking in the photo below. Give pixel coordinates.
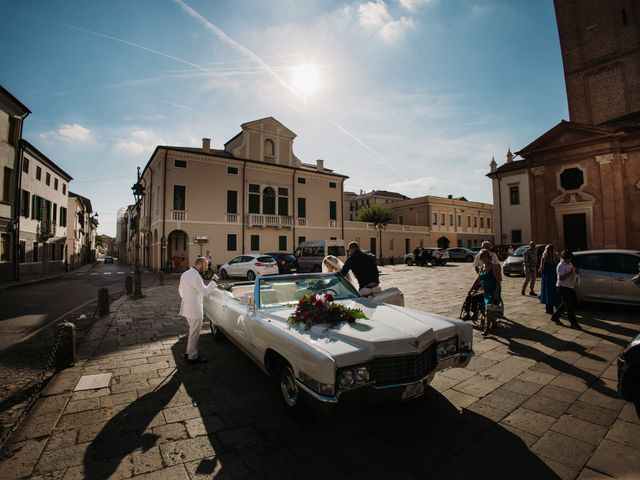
(192, 291)
(416, 256)
(510, 250)
(548, 291)
(530, 264)
(567, 276)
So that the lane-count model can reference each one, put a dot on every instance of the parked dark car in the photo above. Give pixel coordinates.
(108, 259)
(629, 373)
(287, 263)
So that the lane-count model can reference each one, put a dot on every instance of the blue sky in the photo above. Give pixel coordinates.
(407, 95)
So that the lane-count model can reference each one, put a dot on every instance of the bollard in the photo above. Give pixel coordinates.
(128, 285)
(103, 301)
(66, 353)
(161, 277)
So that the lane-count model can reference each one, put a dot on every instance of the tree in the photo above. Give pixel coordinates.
(375, 213)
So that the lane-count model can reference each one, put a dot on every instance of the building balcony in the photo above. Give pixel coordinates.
(46, 229)
(333, 224)
(232, 218)
(261, 220)
(179, 215)
(269, 159)
(302, 222)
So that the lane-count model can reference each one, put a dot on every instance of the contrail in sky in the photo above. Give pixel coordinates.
(218, 32)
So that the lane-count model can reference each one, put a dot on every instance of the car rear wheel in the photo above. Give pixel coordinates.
(409, 261)
(250, 275)
(223, 274)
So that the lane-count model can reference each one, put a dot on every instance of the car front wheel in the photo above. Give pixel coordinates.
(224, 274)
(250, 275)
(216, 333)
(289, 392)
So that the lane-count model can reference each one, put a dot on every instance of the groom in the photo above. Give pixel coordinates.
(363, 267)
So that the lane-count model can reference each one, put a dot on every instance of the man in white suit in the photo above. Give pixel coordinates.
(192, 290)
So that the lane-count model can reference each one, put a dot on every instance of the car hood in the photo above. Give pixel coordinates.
(514, 259)
(389, 330)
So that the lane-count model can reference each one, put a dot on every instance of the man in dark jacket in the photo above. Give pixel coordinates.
(363, 267)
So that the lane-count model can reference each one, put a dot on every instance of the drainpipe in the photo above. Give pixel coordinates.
(163, 242)
(244, 192)
(293, 208)
(342, 205)
(18, 159)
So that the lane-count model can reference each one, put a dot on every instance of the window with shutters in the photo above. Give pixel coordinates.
(302, 207)
(282, 243)
(255, 243)
(269, 201)
(333, 210)
(6, 185)
(232, 201)
(254, 198)
(283, 201)
(179, 197)
(231, 242)
(25, 198)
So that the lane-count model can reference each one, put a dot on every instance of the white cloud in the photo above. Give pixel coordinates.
(413, 5)
(129, 146)
(142, 134)
(376, 16)
(139, 142)
(74, 131)
(416, 187)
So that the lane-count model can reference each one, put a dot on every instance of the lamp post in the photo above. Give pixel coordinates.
(138, 195)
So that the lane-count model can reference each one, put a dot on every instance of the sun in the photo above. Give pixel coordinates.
(306, 79)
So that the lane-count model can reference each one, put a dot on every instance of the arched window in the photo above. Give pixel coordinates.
(269, 151)
(269, 201)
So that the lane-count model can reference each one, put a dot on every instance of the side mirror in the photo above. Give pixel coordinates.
(246, 300)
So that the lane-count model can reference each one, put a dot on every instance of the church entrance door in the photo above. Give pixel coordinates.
(575, 231)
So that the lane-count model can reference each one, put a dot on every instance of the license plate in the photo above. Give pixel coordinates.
(413, 390)
(294, 269)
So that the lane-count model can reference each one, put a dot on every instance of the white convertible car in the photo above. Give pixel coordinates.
(393, 355)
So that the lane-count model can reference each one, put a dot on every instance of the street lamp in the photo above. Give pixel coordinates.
(138, 195)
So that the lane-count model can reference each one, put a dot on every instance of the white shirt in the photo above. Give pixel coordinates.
(478, 263)
(192, 290)
(562, 269)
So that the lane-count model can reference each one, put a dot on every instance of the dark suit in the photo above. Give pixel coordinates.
(363, 267)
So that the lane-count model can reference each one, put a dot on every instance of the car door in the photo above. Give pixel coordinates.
(245, 265)
(232, 267)
(622, 288)
(595, 276)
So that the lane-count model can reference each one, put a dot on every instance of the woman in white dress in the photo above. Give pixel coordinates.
(331, 264)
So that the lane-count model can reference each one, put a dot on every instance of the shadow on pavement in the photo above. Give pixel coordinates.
(240, 428)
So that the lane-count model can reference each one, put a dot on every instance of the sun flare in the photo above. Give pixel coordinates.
(306, 79)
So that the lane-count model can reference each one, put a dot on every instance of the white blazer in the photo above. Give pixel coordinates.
(192, 290)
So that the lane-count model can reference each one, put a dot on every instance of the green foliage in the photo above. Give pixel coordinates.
(375, 213)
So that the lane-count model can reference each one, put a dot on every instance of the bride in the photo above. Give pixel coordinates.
(393, 296)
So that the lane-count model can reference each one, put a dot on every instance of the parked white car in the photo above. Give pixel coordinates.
(249, 266)
(393, 355)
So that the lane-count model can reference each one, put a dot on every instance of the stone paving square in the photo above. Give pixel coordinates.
(93, 382)
(538, 401)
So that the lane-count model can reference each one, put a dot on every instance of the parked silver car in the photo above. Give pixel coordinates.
(605, 276)
(436, 256)
(514, 265)
(461, 254)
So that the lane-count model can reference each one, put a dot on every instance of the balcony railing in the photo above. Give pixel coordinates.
(178, 215)
(333, 224)
(269, 159)
(232, 218)
(302, 222)
(261, 220)
(46, 229)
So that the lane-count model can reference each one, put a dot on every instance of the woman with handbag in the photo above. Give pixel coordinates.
(491, 277)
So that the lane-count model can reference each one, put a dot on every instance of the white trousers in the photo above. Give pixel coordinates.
(195, 326)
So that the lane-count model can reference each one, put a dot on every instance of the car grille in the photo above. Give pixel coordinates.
(403, 368)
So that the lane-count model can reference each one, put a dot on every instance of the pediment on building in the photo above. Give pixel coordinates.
(269, 125)
(573, 198)
(564, 135)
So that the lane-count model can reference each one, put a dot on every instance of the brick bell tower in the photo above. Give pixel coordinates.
(600, 42)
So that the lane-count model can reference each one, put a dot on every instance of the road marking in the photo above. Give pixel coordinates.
(93, 273)
(107, 273)
(120, 273)
(79, 273)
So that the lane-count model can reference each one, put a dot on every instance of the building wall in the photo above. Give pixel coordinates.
(600, 43)
(510, 218)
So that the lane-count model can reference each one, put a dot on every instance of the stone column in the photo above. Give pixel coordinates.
(609, 230)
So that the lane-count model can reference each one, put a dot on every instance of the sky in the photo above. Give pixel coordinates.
(413, 96)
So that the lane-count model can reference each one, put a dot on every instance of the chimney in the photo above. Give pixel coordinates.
(320, 165)
(493, 164)
(509, 156)
(450, 197)
(206, 144)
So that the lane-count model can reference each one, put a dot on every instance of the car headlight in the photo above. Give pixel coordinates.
(345, 378)
(447, 347)
(312, 383)
(353, 376)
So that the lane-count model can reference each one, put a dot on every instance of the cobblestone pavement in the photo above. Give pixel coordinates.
(538, 401)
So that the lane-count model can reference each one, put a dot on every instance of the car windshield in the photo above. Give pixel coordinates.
(278, 291)
(520, 251)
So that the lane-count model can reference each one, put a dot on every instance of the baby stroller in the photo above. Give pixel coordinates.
(473, 307)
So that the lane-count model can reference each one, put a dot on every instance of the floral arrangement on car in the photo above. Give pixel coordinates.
(315, 309)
